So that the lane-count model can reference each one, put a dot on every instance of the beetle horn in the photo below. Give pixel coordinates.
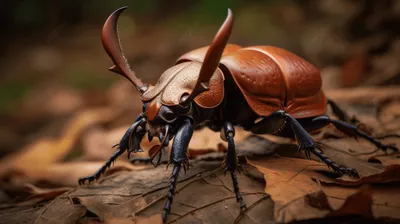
(112, 45)
(212, 58)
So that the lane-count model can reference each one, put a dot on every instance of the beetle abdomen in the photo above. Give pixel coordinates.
(272, 78)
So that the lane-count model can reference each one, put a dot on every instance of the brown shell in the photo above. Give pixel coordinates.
(272, 78)
(184, 75)
(199, 53)
(181, 79)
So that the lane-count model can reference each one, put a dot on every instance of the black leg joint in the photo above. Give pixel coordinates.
(270, 124)
(227, 130)
(315, 123)
(124, 143)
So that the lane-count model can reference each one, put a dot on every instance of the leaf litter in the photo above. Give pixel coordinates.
(278, 183)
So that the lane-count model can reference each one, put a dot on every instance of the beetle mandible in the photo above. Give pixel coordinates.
(263, 89)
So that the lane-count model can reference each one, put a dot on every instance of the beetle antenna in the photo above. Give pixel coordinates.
(112, 45)
(212, 58)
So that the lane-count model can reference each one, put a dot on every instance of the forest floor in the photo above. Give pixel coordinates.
(278, 183)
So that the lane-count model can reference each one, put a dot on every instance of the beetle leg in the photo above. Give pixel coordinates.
(231, 160)
(135, 140)
(98, 173)
(122, 147)
(178, 158)
(339, 112)
(269, 124)
(307, 143)
(346, 128)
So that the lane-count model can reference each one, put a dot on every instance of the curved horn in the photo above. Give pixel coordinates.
(212, 58)
(112, 45)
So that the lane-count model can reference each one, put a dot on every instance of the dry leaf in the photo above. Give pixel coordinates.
(118, 214)
(67, 174)
(42, 194)
(204, 194)
(289, 183)
(359, 203)
(39, 155)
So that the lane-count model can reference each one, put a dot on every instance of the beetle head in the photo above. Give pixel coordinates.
(157, 112)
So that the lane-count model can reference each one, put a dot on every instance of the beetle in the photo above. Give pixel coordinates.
(263, 89)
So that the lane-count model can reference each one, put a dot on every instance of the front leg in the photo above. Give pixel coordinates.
(231, 160)
(133, 132)
(178, 156)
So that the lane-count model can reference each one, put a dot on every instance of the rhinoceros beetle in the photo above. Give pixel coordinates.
(263, 89)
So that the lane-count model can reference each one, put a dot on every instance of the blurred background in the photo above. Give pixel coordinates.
(53, 65)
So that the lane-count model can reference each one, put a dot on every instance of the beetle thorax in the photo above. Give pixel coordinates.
(174, 83)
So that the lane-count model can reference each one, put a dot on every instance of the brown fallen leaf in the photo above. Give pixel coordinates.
(289, 185)
(39, 155)
(385, 159)
(118, 214)
(385, 198)
(204, 194)
(42, 194)
(390, 174)
(67, 174)
(359, 203)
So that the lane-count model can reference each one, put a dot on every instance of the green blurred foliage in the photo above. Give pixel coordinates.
(35, 13)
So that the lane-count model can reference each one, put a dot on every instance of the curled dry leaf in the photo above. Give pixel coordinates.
(38, 156)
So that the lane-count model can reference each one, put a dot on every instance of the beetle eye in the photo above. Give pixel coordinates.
(184, 98)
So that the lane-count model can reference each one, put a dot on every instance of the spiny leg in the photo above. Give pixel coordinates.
(178, 158)
(279, 120)
(307, 143)
(231, 160)
(346, 128)
(98, 173)
(122, 147)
